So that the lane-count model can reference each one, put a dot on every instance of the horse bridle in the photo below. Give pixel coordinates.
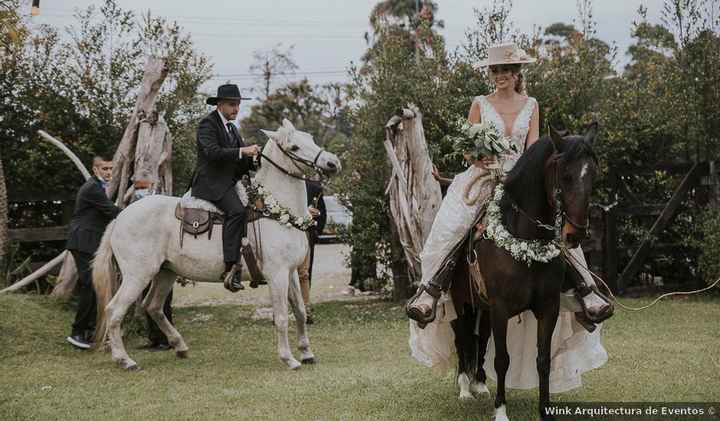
(295, 159)
(556, 203)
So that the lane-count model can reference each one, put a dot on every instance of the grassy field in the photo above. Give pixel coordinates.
(668, 353)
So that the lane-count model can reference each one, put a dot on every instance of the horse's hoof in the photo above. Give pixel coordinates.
(501, 414)
(466, 396)
(129, 366)
(293, 364)
(181, 354)
(309, 360)
(479, 388)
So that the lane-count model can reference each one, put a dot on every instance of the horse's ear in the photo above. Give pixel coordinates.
(288, 124)
(557, 139)
(272, 135)
(591, 132)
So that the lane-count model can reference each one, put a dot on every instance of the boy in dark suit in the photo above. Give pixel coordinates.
(222, 160)
(93, 212)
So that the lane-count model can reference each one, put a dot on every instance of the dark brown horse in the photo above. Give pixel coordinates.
(553, 177)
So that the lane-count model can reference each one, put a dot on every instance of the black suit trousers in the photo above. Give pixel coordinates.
(234, 225)
(87, 307)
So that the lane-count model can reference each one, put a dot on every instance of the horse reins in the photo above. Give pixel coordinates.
(295, 159)
(555, 202)
(572, 260)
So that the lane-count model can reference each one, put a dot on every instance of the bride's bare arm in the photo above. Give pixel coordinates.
(534, 132)
(474, 118)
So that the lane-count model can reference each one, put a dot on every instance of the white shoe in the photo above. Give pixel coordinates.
(78, 342)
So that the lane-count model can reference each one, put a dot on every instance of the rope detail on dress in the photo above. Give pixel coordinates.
(479, 178)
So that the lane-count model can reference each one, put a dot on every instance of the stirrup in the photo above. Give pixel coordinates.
(605, 314)
(229, 283)
(415, 314)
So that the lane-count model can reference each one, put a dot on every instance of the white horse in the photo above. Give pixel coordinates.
(144, 242)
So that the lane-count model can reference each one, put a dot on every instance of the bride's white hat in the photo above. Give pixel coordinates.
(506, 54)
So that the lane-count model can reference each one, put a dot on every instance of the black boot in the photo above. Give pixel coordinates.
(233, 278)
(585, 318)
(423, 313)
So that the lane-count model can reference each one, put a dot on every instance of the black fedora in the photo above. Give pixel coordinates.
(229, 91)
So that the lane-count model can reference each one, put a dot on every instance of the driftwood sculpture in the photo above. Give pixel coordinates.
(144, 121)
(414, 194)
(143, 157)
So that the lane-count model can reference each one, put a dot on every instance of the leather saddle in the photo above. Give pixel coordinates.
(197, 216)
(197, 221)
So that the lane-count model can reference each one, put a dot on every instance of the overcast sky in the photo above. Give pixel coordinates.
(328, 34)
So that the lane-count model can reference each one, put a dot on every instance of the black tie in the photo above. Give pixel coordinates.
(233, 133)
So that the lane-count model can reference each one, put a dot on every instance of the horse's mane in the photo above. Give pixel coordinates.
(526, 174)
(525, 184)
(528, 170)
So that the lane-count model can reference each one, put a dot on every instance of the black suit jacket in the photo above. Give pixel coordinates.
(315, 198)
(219, 165)
(93, 212)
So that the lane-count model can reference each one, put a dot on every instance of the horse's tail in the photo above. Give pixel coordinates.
(105, 281)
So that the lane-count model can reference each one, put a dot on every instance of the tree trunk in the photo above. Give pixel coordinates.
(4, 241)
(402, 284)
(67, 279)
(153, 157)
(123, 162)
(414, 194)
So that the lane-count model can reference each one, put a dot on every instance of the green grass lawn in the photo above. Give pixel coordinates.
(668, 353)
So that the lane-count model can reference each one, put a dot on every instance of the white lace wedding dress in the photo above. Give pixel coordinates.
(574, 350)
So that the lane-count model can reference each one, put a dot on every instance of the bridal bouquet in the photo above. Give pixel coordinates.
(479, 140)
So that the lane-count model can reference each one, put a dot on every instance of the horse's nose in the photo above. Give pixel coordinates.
(332, 166)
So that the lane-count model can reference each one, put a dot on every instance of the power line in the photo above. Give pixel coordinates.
(320, 72)
(247, 21)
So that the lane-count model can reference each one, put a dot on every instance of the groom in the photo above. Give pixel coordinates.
(222, 160)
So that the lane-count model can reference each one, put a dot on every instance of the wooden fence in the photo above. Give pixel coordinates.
(697, 187)
(39, 234)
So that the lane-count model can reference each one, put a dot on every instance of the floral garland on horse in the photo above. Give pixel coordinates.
(262, 202)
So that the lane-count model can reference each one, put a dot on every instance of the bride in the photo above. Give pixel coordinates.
(576, 346)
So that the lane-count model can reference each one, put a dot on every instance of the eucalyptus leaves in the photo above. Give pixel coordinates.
(479, 140)
(527, 251)
(263, 202)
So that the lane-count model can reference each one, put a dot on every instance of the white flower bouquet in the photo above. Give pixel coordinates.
(479, 140)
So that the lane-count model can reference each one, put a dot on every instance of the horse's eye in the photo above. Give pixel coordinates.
(294, 148)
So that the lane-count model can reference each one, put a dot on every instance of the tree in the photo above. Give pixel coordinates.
(394, 73)
(272, 63)
(82, 90)
(298, 102)
(12, 37)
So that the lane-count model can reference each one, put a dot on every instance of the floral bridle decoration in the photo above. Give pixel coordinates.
(527, 251)
(262, 202)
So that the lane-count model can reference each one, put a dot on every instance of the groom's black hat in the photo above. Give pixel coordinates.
(229, 91)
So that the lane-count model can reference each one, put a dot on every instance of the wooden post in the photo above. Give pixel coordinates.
(4, 240)
(714, 185)
(414, 194)
(610, 258)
